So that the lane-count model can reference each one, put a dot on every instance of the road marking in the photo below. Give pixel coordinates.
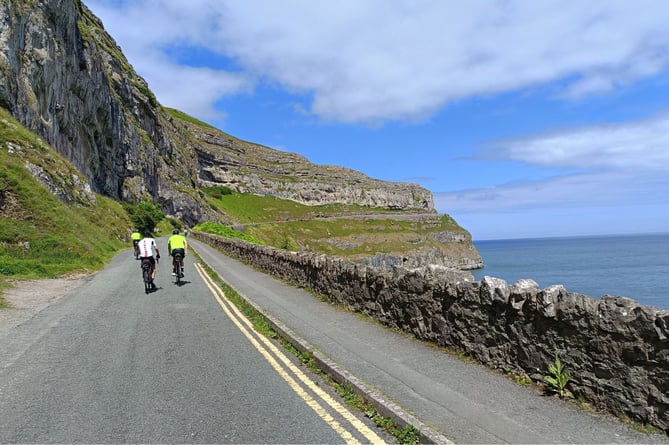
(238, 318)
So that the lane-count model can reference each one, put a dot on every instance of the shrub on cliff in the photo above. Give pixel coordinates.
(145, 216)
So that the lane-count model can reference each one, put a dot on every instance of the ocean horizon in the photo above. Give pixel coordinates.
(626, 265)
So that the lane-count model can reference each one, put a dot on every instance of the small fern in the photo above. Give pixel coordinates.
(557, 381)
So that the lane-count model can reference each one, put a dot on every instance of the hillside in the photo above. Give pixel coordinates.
(374, 236)
(51, 222)
(67, 81)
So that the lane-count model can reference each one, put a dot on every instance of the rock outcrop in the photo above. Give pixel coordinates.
(251, 168)
(65, 79)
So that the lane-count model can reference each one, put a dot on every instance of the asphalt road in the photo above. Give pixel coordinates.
(110, 364)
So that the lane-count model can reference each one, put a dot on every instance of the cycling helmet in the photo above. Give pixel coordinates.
(175, 232)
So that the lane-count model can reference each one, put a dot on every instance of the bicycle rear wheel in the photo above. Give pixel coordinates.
(146, 276)
(177, 269)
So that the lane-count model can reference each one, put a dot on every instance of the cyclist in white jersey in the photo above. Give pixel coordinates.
(148, 249)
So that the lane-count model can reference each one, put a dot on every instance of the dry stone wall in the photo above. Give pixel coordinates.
(616, 350)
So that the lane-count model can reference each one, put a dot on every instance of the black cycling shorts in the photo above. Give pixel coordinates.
(150, 259)
(181, 251)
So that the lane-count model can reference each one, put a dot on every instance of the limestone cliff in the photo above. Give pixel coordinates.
(247, 167)
(65, 79)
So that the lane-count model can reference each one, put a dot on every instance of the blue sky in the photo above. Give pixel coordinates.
(524, 119)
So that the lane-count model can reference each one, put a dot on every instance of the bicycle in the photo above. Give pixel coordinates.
(146, 275)
(149, 285)
(178, 265)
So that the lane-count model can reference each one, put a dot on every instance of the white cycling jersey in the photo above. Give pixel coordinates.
(147, 247)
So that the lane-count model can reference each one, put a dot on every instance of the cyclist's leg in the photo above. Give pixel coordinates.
(145, 266)
(153, 269)
(178, 255)
(146, 274)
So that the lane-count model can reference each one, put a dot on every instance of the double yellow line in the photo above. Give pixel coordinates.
(300, 382)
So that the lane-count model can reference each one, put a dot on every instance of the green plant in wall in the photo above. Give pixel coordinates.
(558, 378)
(288, 243)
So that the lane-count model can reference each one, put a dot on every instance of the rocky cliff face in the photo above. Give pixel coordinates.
(252, 168)
(65, 78)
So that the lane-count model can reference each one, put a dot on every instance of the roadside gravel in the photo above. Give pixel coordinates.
(27, 298)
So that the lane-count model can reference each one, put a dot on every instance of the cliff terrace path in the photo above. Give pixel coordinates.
(447, 398)
(414, 216)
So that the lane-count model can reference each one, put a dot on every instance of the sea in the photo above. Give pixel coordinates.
(634, 266)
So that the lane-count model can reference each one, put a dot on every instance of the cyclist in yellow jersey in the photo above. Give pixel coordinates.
(135, 237)
(177, 244)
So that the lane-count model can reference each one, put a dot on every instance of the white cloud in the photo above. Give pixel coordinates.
(618, 165)
(565, 222)
(376, 60)
(593, 204)
(192, 89)
(573, 191)
(146, 30)
(631, 146)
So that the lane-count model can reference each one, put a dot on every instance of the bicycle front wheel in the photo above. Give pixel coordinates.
(146, 275)
(177, 270)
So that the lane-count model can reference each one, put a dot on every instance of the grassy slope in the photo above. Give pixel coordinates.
(40, 236)
(328, 229)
